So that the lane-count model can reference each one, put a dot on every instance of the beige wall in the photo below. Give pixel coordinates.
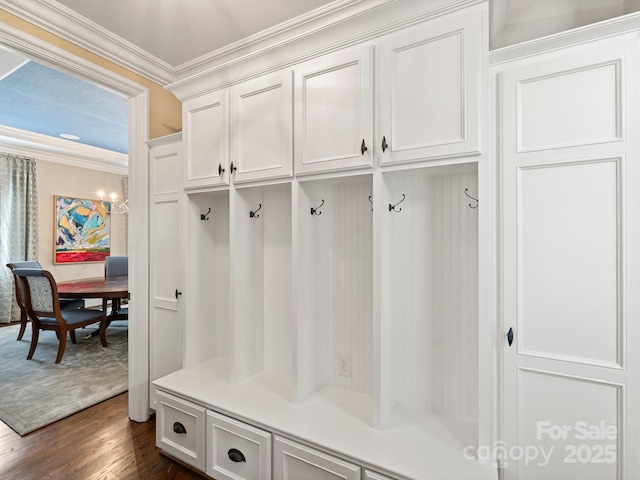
(165, 109)
(57, 179)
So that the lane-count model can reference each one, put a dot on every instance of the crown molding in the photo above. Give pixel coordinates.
(576, 36)
(58, 150)
(321, 17)
(366, 21)
(67, 24)
(56, 57)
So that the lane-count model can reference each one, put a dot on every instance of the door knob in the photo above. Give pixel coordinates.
(510, 336)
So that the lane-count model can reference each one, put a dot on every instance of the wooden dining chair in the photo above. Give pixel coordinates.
(65, 303)
(116, 266)
(43, 307)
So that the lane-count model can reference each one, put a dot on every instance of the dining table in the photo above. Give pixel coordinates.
(108, 288)
(105, 288)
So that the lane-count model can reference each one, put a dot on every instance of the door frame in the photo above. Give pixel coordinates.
(138, 95)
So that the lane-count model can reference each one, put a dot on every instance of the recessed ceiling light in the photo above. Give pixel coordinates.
(68, 136)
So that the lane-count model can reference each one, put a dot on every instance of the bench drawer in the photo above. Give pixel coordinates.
(180, 429)
(236, 450)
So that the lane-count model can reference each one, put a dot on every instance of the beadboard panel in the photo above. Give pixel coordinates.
(208, 306)
(261, 261)
(335, 287)
(430, 295)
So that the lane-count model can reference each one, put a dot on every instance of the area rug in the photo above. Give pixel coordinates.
(37, 392)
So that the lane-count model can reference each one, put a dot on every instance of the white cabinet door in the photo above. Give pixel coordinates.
(334, 112)
(571, 228)
(261, 128)
(205, 122)
(165, 324)
(430, 91)
(293, 461)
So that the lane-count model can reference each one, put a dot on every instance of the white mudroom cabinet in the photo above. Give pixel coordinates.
(332, 319)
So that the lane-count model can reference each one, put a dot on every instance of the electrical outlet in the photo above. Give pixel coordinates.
(345, 365)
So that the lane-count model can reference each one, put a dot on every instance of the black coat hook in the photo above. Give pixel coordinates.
(393, 207)
(205, 216)
(472, 198)
(255, 214)
(371, 201)
(314, 211)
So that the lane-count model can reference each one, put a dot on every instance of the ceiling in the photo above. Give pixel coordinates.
(39, 99)
(162, 39)
(178, 31)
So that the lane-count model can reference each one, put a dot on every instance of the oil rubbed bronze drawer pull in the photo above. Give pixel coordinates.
(179, 428)
(236, 455)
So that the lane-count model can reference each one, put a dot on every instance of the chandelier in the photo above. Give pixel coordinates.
(117, 208)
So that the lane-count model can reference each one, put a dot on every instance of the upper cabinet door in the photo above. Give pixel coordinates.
(430, 90)
(206, 138)
(334, 112)
(261, 130)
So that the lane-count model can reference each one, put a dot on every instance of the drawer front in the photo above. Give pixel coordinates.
(369, 475)
(293, 461)
(180, 429)
(236, 450)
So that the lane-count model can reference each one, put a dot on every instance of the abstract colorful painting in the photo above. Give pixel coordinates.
(82, 230)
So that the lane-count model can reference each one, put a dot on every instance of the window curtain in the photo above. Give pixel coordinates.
(18, 224)
(125, 189)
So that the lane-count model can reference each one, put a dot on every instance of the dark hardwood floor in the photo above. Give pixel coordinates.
(99, 443)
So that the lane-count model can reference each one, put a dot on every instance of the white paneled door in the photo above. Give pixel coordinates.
(165, 326)
(570, 269)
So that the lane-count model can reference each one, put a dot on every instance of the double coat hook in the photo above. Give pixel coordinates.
(393, 207)
(316, 211)
(466, 190)
(254, 214)
(205, 216)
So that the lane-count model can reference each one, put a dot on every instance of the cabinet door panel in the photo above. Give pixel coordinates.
(261, 130)
(334, 112)
(430, 91)
(206, 130)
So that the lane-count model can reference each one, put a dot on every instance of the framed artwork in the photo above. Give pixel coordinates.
(82, 230)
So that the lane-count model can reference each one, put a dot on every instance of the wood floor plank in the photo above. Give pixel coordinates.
(99, 443)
